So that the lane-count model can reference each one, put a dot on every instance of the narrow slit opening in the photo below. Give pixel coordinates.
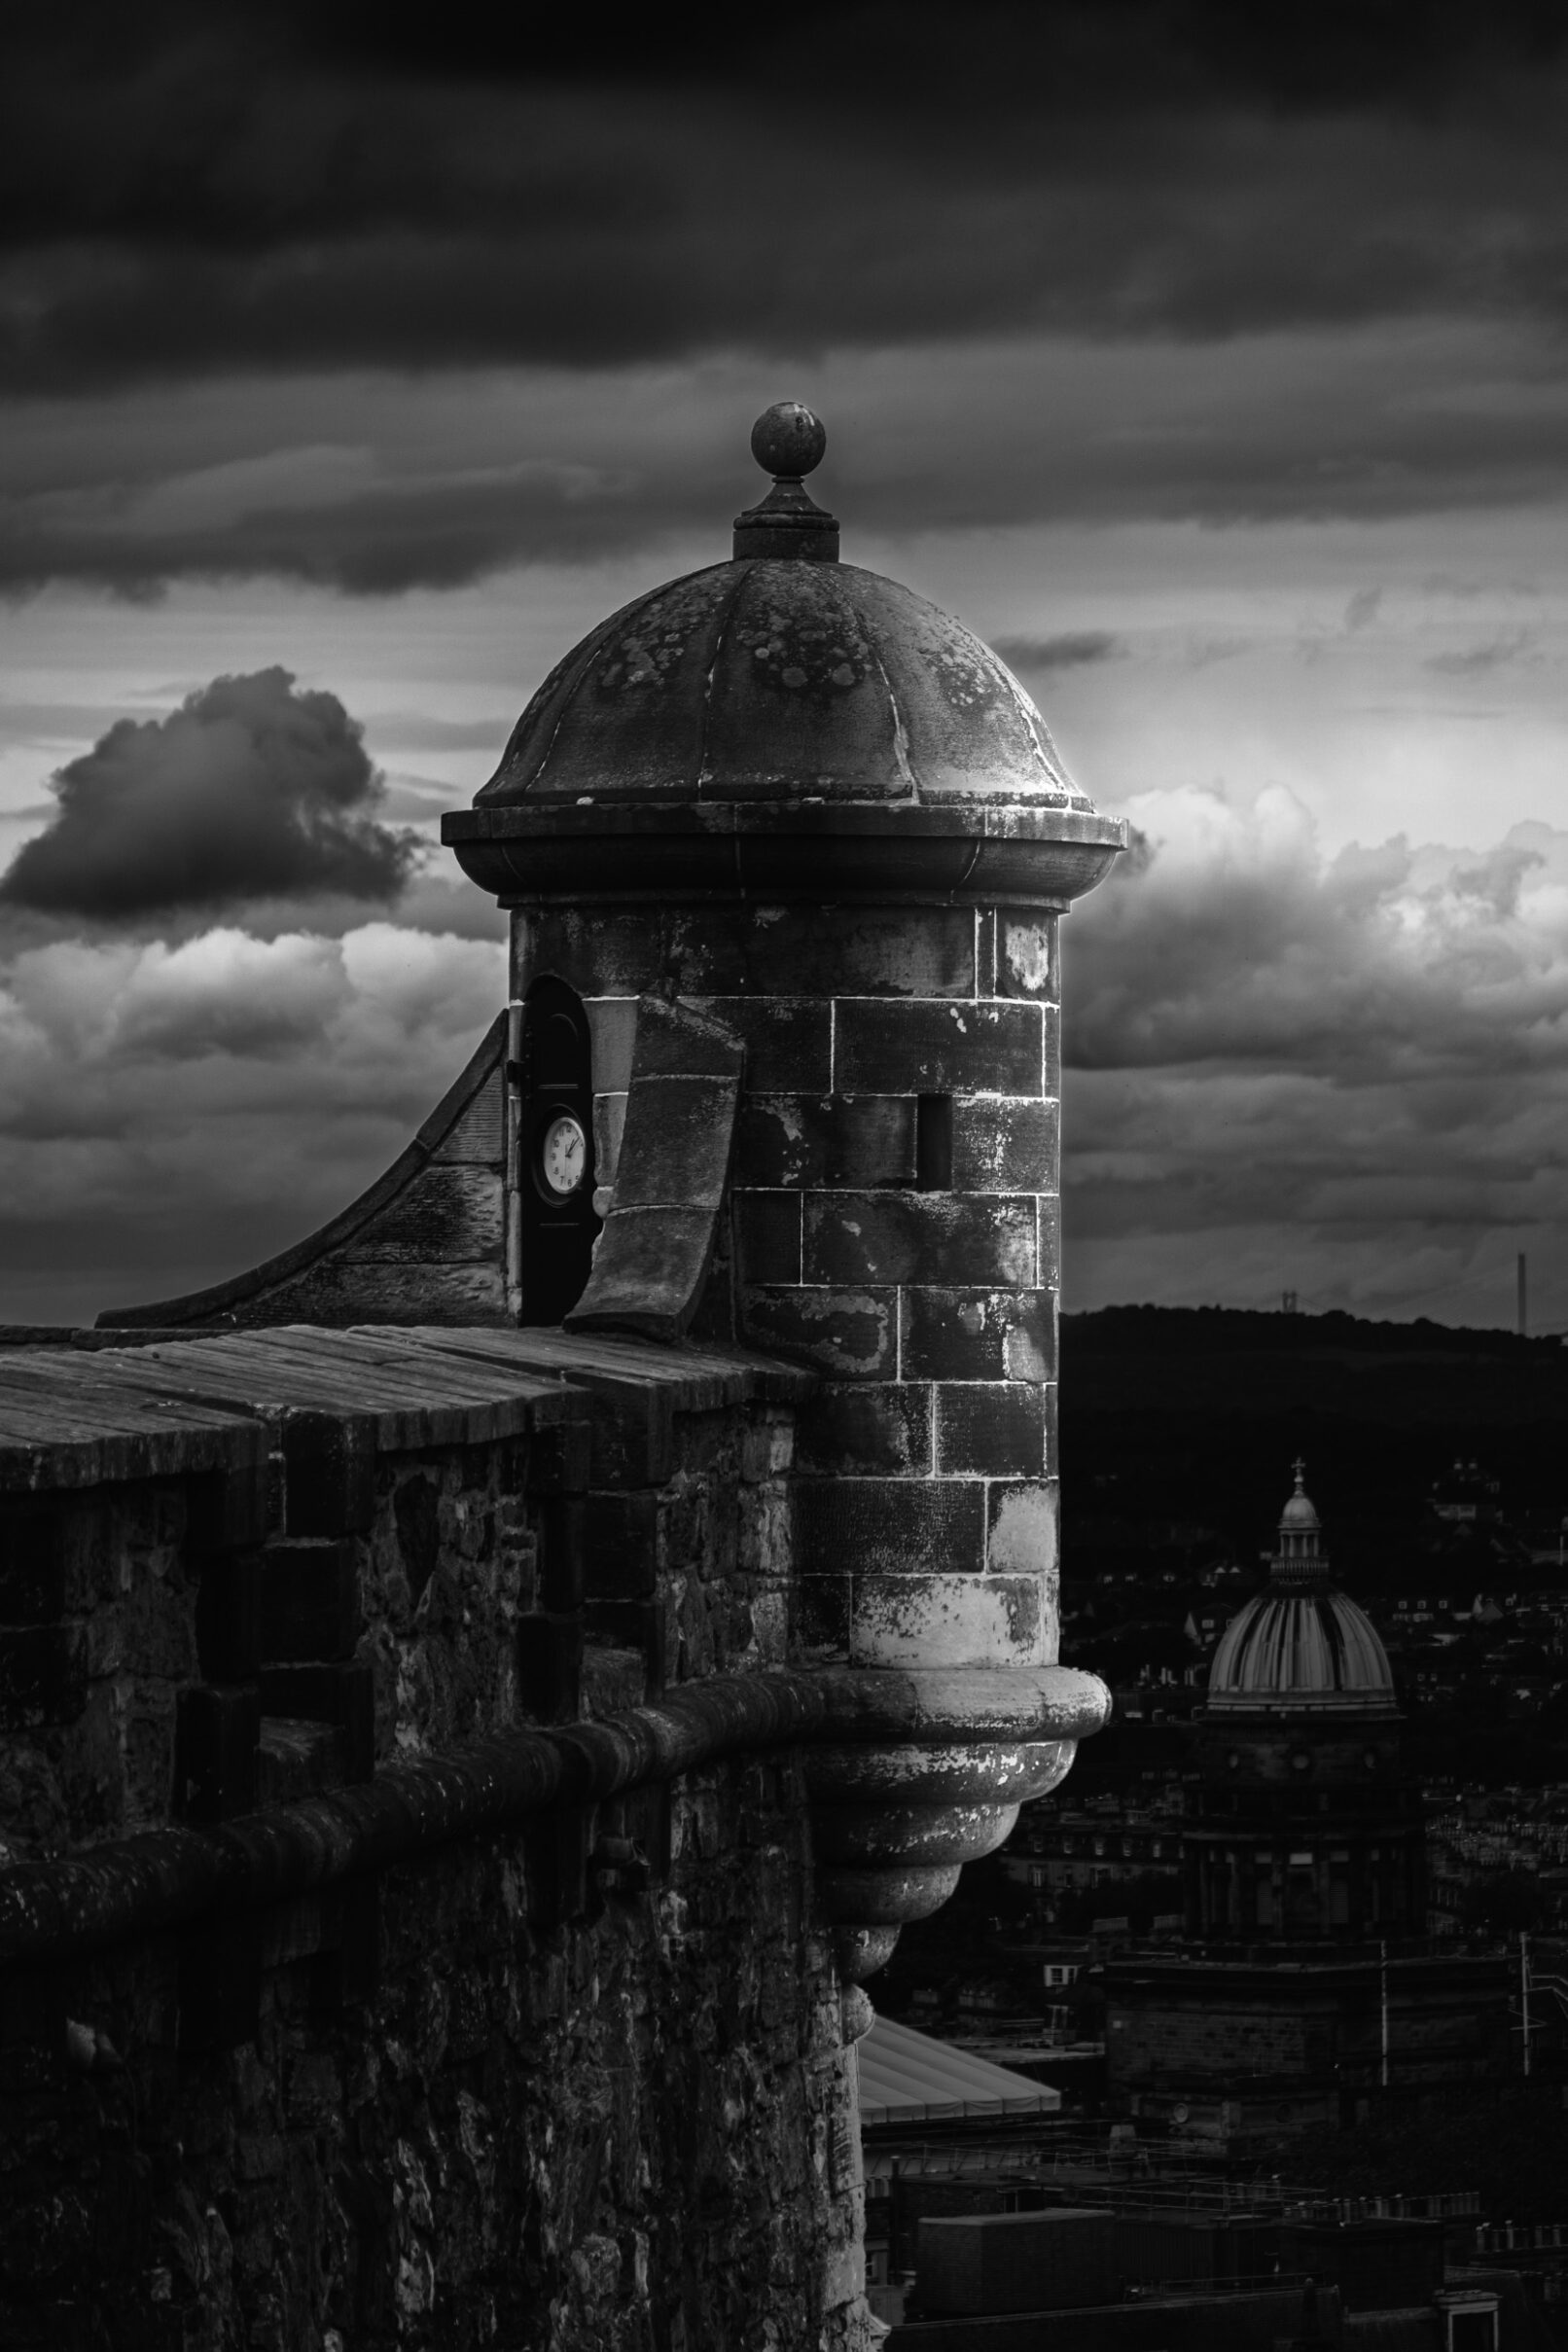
(933, 1142)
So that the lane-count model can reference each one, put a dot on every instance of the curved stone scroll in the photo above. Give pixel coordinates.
(653, 1259)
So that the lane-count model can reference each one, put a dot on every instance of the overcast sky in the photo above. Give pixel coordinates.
(1211, 361)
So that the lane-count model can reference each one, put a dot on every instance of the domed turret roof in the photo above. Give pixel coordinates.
(1301, 1643)
(785, 695)
(783, 673)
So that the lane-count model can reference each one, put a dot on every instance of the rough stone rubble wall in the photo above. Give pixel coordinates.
(496, 2100)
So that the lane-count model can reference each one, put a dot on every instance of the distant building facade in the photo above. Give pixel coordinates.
(1304, 1988)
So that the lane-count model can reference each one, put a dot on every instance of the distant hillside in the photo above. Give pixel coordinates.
(1127, 1359)
(1195, 1414)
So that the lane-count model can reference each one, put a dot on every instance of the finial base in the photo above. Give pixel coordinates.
(788, 523)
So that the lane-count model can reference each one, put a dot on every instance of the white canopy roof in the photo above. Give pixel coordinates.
(908, 2078)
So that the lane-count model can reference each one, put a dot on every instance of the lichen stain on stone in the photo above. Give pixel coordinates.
(1024, 1533)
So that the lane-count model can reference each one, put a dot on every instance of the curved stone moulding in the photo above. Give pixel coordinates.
(944, 1760)
(913, 1834)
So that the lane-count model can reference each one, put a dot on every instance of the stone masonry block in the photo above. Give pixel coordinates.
(820, 1611)
(559, 1456)
(744, 950)
(941, 1237)
(549, 1665)
(801, 1139)
(767, 1235)
(1022, 1533)
(978, 1335)
(652, 1282)
(32, 1563)
(653, 1259)
(613, 1031)
(633, 1434)
(327, 1691)
(42, 1676)
(945, 1620)
(918, 951)
(1049, 1227)
(680, 1151)
(637, 1626)
(229, 1615)
(899, 1527)
(309, 1600)
(217, 1729)
(938, 1049)
(852, 1334)
(788, 1041)
(329, 1465)
(1004, 1147)
(562, 1532)
(622, 1545)
(605, 952)
(995, 1429)
(864, 1428)
(609, 1126)
(684, 1039)
(1027, 954)
(1050, 1018)
(227, 1511)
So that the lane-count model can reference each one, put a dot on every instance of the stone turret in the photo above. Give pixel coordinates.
(796, 844)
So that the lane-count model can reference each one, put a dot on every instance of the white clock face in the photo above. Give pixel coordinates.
(563, 1155)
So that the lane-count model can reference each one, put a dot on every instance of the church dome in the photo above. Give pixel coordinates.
(731, 727)
(1301, 1643)
(1300, 1650)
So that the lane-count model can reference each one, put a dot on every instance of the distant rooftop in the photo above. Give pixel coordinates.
(909, 2078)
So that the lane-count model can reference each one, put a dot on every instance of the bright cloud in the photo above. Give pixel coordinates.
(1348, 1076)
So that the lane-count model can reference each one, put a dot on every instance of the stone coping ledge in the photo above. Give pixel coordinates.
(151, 1406)
(815, 818)
(164, 1878)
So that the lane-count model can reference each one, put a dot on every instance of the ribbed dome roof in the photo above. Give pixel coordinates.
(1313, 1649)
(779, 680)
(1300, 1643)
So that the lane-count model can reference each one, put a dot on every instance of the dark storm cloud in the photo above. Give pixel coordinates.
(260, 191)
(1479, 661)
(373, 487)
(251, 789)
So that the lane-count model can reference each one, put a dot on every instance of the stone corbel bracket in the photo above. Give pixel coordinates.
(921, 1771)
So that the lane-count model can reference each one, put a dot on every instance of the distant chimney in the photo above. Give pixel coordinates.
(1524, 1321)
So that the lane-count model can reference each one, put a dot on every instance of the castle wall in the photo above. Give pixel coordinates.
(578, 2082)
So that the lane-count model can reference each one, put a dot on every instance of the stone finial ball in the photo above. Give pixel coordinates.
(788, 440)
